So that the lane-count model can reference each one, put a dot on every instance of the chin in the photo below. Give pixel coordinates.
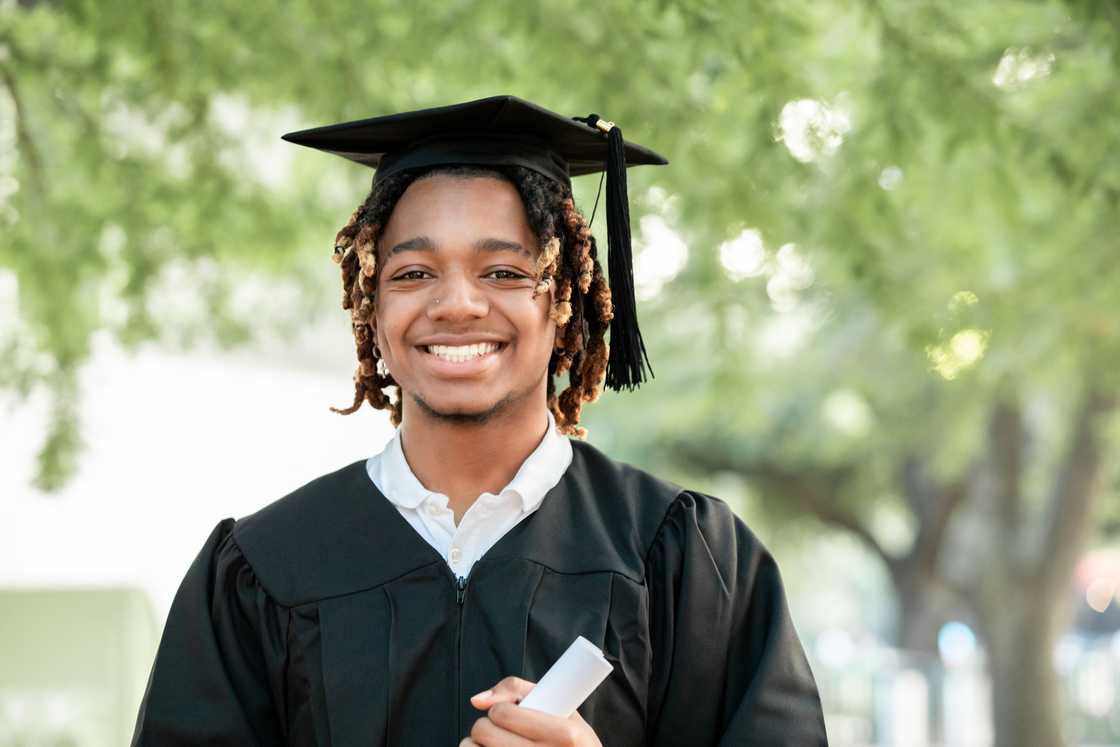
(463, 411)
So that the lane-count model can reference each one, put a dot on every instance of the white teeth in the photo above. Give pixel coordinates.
(460, 353)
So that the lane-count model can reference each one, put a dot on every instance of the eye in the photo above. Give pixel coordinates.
(506, 274)
(410, 275)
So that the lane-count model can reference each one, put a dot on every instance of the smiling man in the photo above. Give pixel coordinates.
(415, 597)
(459, 327)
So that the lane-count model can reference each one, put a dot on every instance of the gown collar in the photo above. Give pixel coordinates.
(339, 535)
(541, 470)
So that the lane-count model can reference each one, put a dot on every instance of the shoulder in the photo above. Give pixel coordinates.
(702, 537)
(651, 515)
(626, 478)
(708, 516)
(291, 516)
(635, 497)
(316, 540)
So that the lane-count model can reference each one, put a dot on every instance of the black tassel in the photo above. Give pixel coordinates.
(625, 368)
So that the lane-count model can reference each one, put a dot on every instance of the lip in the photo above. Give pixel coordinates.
(459, 340)
(460, 369)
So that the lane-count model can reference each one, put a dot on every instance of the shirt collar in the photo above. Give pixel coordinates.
(539, 473)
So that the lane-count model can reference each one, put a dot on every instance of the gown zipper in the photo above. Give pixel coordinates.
(460, 595)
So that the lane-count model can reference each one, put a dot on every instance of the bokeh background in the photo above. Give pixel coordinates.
(879, 282)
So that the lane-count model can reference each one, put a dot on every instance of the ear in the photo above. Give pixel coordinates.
(373, 316)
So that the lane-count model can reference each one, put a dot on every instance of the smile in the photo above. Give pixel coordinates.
(462, 353)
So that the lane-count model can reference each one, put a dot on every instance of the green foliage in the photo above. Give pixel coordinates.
(144, 150)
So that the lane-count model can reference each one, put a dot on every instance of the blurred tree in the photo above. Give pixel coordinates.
(901, 290)
(977, 503)
(903, 332)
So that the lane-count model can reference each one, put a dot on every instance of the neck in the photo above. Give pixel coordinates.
(462, 461)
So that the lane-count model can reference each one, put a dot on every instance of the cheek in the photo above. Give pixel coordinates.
(391, 316)
(530, 317)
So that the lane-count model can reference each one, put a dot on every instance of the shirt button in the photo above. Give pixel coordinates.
(456, 554)
(433, 509)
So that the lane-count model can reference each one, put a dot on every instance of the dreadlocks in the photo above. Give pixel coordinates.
(568, 260)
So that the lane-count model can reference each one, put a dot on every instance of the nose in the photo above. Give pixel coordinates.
(457, 298)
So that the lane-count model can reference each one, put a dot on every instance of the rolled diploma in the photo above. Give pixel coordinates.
(569, 681)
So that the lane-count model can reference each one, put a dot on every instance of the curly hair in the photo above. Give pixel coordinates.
(568, 258)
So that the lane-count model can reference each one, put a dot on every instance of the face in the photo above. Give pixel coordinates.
(457, 324)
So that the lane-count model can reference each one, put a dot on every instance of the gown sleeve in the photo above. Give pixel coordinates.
(728, 667)
(210, 682)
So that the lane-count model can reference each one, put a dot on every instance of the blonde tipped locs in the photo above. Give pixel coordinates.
(567, 263)
(355, 251)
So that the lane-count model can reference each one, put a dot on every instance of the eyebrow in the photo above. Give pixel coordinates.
(500, 245)
(425, 244)
(415, 244)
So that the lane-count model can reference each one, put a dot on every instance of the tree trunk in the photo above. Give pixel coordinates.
(1026, 698)
(921, 612)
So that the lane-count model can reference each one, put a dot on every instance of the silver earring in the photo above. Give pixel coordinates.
(437, 300)
(382, 369)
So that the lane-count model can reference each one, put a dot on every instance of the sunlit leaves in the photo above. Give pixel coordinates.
(906, 176)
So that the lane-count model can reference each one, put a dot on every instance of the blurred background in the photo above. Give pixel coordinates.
(879, 281)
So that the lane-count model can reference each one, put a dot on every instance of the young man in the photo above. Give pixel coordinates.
(415, 597)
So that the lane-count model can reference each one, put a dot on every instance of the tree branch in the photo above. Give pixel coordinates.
(1005, 440)
(1070, 504)
(23, 134)
(817, 490)
(933, 504)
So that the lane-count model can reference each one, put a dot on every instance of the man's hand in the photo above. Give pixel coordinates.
(509, 725)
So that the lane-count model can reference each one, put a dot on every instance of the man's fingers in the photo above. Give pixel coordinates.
(513, 686)
(536, 725)
(486, 732)
(508, 690)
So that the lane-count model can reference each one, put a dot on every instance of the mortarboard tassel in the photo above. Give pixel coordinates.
(627, 349)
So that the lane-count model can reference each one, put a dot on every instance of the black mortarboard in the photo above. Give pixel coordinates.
(509, 131)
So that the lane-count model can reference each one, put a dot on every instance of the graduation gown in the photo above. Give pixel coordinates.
(325, 619)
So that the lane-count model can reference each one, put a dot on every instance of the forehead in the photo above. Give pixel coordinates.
(459, 204)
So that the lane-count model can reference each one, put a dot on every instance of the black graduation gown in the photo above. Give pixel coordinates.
(324, 619)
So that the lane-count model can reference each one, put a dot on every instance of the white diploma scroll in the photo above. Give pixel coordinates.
(569, 681)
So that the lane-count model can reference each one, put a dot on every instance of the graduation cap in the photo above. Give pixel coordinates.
(509, 131)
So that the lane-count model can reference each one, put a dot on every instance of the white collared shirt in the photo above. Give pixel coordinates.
(489, 517)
